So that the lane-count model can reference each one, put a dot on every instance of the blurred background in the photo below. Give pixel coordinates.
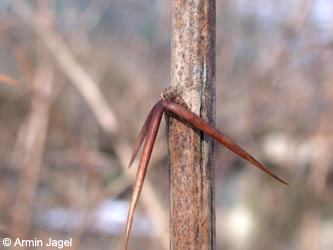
(77, 79)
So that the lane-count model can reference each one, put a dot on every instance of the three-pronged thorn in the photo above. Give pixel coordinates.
(173, 102)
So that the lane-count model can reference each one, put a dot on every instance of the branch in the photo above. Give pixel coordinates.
(69, 65)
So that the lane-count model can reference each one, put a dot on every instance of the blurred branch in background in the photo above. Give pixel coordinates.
(34, 136)
(68, 64)
(7, 79)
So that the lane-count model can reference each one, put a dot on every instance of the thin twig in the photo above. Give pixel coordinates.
(34, 141)
(7, 79)
(69, 65)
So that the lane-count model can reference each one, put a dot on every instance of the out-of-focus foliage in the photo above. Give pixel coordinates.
(63, 153)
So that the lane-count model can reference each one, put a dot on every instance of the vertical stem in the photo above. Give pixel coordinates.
(34, 140)
(191, 152)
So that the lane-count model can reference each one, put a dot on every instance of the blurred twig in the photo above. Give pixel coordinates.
(69, 65)
(7, 79)
(34, 141)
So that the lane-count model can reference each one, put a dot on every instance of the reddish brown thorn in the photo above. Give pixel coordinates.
(199, 123)
(149, 133)
(142, 135)
(152, 129)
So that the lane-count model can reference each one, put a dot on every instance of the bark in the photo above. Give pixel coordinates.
(190, 151)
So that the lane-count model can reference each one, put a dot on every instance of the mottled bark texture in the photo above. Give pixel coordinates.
(190, 151)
